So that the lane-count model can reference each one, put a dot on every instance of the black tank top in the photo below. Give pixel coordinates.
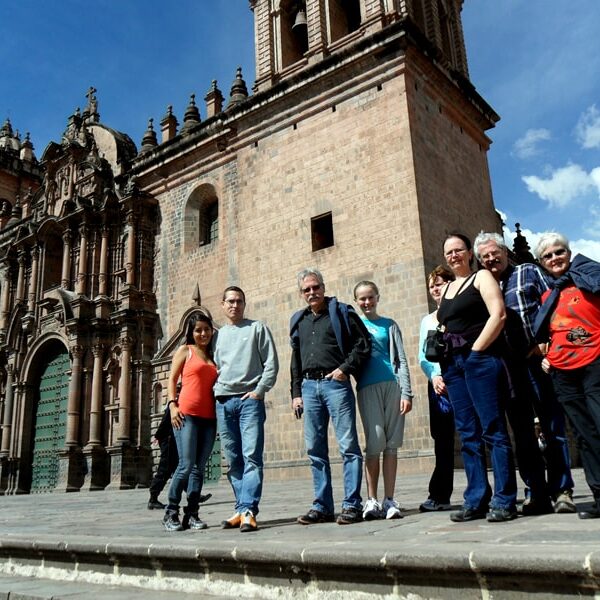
(465, 314)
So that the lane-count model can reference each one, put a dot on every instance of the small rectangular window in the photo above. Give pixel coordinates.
(321, 229)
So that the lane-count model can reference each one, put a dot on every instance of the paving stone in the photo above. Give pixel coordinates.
(112, 538)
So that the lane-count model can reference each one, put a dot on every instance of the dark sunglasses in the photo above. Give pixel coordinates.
(311, 288)
(559, 252)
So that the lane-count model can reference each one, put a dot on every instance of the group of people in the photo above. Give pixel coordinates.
(498, 364)
(521, 342)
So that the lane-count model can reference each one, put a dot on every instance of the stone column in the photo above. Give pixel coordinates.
(8, 413)
(65, 278)
(72, 437)
(264, 44)
(95, 438)
(35, 256)
(103, 275)
(21, 277)
(71, 173)
(317, 29)
(5, 296)
(83, 256)
(125, 391)
(131, 244)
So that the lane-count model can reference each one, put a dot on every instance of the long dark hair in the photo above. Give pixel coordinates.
(189, 332)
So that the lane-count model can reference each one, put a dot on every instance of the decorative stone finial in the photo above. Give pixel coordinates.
(6, 129)
(27, 149)
(196, 296)
(149, 141)
(521, 247)
(16, 209)
(191, 116)
(239, 91)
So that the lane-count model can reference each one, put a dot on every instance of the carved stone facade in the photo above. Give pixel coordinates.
(77, 291)
(362, 146)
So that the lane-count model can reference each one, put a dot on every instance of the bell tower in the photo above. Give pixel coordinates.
(293, 34)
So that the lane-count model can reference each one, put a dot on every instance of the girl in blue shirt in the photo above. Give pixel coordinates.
(384, 398)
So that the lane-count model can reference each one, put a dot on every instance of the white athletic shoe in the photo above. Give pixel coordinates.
(391, 509)
(372, 510)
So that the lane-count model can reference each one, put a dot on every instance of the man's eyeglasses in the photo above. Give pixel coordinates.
(311, 288)
(559, 252)
(234, 302)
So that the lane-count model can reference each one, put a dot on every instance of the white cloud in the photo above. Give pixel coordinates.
(563, 185)
(591, 248)
(527, 146)
(587, 130)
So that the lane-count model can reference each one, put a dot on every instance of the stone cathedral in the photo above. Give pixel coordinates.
(361, 144)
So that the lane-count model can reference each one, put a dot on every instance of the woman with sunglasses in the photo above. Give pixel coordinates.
(573, 353)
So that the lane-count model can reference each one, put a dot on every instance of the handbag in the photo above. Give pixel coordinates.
(436, 347)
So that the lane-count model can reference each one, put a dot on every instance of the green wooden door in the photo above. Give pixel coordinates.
(50, 423)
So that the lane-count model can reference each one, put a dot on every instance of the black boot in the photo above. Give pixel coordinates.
(191, 520)
(591, 513)
(154, 503)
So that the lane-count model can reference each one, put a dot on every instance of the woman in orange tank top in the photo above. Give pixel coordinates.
(194, 420)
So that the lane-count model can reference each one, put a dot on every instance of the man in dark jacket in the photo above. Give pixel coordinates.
(329, 344)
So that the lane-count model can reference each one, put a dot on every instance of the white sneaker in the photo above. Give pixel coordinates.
(372, 510)
(391, 509)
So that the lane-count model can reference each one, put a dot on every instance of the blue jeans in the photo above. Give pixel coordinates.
(242, 431)
(473, 381)
(324, 399)
(194, 441)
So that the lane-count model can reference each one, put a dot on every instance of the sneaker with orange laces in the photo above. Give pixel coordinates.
(248, 522)
(233, 522)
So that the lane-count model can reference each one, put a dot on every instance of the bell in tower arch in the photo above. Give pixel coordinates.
(299, 29)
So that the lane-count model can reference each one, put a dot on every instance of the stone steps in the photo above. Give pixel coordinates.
(36, 588)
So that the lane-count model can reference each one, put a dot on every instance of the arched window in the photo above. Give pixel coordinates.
(293, 31)
(201, 218)
(344, 17)
(446, 33)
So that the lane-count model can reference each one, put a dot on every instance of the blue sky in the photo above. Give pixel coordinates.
(537, 62)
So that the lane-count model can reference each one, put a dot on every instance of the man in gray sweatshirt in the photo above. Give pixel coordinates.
(247, 363)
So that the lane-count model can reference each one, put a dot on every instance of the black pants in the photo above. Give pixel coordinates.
(441, 427)
(578, 390)
(519, 411)
(552, 421)
(166, 465)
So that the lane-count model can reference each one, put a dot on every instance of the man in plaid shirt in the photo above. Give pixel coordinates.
(522, 287)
